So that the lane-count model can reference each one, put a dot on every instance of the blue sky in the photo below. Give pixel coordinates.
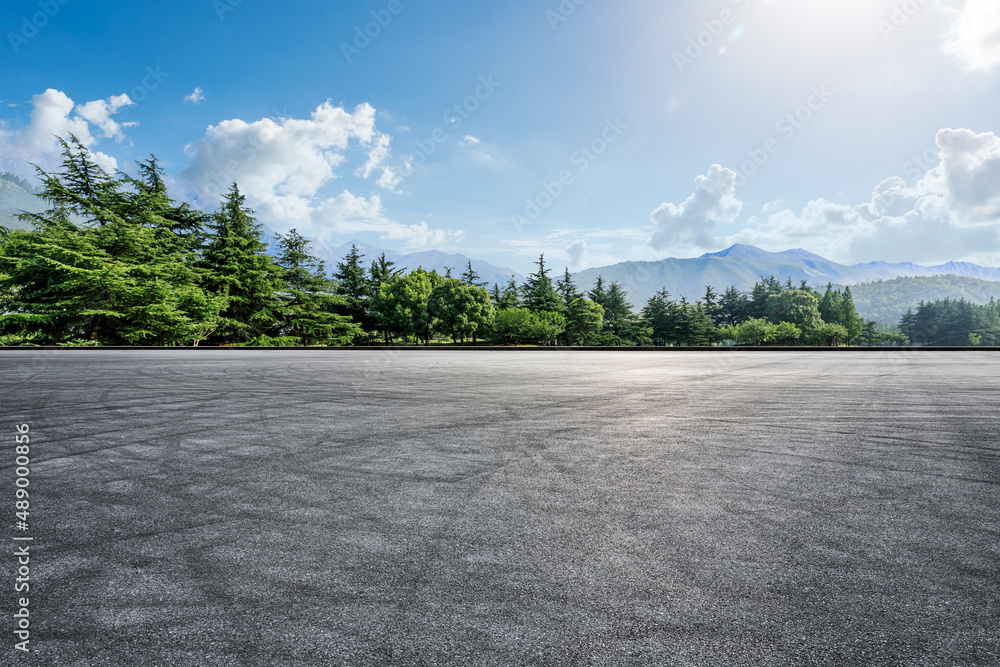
(594, 132)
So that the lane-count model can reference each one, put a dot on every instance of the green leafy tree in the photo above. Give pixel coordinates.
(754, 331)
(826, 334)
(461, 310)
(546, 326)
(712, 305)
(786, 333)
(513, 325)
(762, 291)
(733, 307)
(403, 304)
(695, 327)
(830, 307)
(380, 272)
(566, 288)
(662, 316)
(800, 307)
(871, 335)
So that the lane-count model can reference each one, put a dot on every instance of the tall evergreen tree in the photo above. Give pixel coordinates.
(539, 294)
(306, 302)
(471, 278)
(712, 307)
(566, 288)
(661, 315)
(830, 308)
(353, 284)
(240, 269)
(849, 316)
(584, 322)
(121, 276)
(734, 307)
(617, 313)
(510, 298)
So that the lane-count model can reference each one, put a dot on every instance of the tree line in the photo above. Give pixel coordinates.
(115, 261)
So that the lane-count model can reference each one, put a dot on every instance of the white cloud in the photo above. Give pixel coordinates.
(951, 213)
(974, 38)
(282, 164)
(196, 97)
(577, 252)
(49, 120)
(480, 152)
(54, 115)
(282, 157)
(377, 156)
(693, 222)
(99, 113)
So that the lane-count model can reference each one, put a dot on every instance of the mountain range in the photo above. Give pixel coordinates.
(744, 265)
(740, 266)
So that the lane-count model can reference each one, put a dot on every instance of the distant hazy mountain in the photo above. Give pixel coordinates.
(743, 265)
(16, 198)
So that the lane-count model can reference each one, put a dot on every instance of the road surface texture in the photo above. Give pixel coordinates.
(235, 507)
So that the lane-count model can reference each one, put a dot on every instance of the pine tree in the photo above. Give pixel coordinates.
(239, 268)
(353, 285)
(566, 288)
(510, 298)
(539, 295)
(661, 315)
(380, 272)
(617, 313)
(471, 278)
(121, 276)
(584, 322)
(306, 302)
(849, 316)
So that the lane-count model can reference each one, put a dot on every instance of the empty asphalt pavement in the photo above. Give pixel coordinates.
(232, 507)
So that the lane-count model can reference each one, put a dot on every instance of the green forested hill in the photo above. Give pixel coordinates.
(887, 301)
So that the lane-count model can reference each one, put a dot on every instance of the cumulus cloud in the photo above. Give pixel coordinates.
(282, 165)
(99, 113)
(278, 157)
(951, 212)
(53, 115)
(974, 38)
(577, 251)
(693, 222)
(196, 97)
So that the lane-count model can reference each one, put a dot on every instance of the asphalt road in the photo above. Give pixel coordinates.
(420, 508)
